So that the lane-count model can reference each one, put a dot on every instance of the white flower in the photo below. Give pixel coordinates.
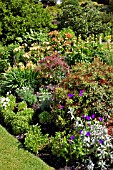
(71, 111)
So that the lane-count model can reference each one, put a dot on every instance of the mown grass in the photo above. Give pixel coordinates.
(13, 157)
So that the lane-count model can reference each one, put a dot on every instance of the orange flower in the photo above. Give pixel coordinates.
(53, 33)
(68, 35)
(54, 39)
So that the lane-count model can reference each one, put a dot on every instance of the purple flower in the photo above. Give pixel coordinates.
(72, 137)
(61, 107)
(80, 132)
(93, 116)
(87, 117)
(70, 95)
(101, 141)
(83, 116)
(88, 134)
(88, 124)
(81, 92)
(100, 119)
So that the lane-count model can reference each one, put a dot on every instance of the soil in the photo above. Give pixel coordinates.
(110, 126)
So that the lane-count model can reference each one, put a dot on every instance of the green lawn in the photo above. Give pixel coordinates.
(13, 157)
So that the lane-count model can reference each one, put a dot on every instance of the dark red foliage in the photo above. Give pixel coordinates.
(54, 61)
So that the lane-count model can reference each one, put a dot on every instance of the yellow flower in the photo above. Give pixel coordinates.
(9, 69)
(29, 65)
(22, 68)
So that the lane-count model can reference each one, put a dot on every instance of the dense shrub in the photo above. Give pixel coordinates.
(88, 89)
(35, 140)
(84, 20)
(19, 17)
(27, 94)
(16, 116)
(83, 103)
(52, 69)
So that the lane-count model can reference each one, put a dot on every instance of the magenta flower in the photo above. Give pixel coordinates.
(70, 95)
(87, 117)
(61, 107)
(93, 116)
(81, 92)
(101, 141)
(88, 134)
(100, 119)
(72, 137)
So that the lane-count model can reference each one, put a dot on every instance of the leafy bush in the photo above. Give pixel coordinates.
(16, 116)
(88, 145)
(88, 89)
(27, 94)
(52, 69)
(35, 140)
(19, 17)
(84, 20)
(44, 117)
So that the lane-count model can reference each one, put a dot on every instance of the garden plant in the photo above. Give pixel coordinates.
(56, 81)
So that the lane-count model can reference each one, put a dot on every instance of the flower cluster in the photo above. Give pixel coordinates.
(95, 139)
(4, 102)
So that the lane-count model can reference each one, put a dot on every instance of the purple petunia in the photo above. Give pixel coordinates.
(87, 117)
(72, 137)
(88, 134)
(93, 116)
(61, 107)
(101, 141)
(81, 92)
(70, 95)
(80, 132)
(100, 119)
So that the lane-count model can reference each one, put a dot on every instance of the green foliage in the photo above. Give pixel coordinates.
(19, 76)
(95, 81)
(84, 20)
(32, 37)
(87, 143)
(19, 17)
(44, 117)
(8, 57)
(18, 121)
(27, 94)
(44, 98)
(35, 140)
